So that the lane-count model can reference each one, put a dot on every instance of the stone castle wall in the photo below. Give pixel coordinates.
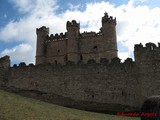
(96, 47)
(103, 86)
(56, 51)
(114, 83)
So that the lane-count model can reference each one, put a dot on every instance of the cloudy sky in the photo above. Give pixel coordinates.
(138, 21)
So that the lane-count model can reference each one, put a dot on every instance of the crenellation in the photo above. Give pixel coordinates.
(103, 61)
(149, 52)
(73, 23)
(129, 65)
(109, 19)
(51, 37)
(91, 35)
(42, 29)
(31, 65)
(116, 60)
(14, 66)
(138, 47)
(128, 61)
(150, 46)
(22, 64)
(56, 37)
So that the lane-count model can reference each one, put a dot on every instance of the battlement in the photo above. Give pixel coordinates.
(108, 19)
(149, 52)
(4, 59)
(56, 37)
(90, 34)
(5, 62)
(42, 29)
(73, 23)
(115, 62)
(148, 47)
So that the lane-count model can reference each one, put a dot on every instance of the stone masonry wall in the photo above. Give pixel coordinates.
(114, 83)
(4, 68)
(149, 79)
(56, 51)
(104, 86)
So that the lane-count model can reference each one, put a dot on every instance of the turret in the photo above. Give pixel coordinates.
(4, 69)
(73, 41)
(109, 35)
(42, 34)
(149, 53)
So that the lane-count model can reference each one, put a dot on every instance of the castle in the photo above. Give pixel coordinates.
(75, 46)
(82, 70)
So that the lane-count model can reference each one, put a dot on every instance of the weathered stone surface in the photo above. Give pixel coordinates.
(4, 68)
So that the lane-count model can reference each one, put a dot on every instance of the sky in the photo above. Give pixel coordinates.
(138, 21)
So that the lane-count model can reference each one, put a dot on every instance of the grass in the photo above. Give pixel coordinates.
(15, 107)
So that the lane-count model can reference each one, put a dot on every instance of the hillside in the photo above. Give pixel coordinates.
(15, 107)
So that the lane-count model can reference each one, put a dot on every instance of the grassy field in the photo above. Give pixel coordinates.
(15, 107)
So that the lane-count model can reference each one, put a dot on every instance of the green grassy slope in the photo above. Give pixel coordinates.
(15, 107)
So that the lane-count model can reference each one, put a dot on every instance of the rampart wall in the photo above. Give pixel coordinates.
(102, 84)
(149, 78)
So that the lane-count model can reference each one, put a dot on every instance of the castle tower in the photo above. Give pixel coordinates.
(150, 53)
(109, 36)
(73, 41)
(42, 34)
(4, 68)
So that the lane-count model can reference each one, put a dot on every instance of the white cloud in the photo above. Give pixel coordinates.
(135, 24)
(23, 5)
(73, 7)
(143, 1)
(10, 27)
(123, 55)
(22, 52)
(142, 25)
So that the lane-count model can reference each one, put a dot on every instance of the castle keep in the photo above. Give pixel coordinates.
(82, 70)
(75, 46)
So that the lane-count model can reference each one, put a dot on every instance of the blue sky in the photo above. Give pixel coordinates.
(138, 21)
